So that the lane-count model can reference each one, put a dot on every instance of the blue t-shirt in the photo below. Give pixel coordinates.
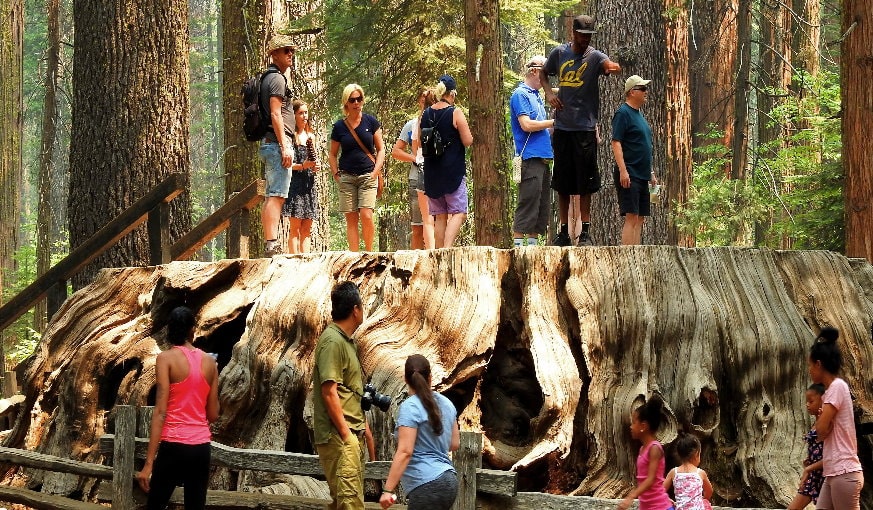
(352, 159)
(527, 101)
(406, 136)
(430, 456)
(631, 129)
(577, 86)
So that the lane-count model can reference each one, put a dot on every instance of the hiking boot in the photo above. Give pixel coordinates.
(584, 240)
(561, 239)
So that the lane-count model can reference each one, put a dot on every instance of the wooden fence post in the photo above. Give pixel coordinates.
(159, 234)
(467, 459)
(124, 453)
(238, 235)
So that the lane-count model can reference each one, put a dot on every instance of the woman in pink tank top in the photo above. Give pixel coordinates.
(650, 462)
(186, 403)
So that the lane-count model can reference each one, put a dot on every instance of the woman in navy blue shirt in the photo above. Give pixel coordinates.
(358, 169)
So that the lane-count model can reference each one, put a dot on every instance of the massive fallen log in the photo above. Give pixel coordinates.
(544, 350)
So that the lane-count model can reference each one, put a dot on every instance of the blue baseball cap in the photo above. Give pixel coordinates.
(449, 82)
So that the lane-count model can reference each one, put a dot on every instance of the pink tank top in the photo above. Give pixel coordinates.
(186, 406)
(656, 497)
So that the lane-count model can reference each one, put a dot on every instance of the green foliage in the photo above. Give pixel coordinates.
(794, 193)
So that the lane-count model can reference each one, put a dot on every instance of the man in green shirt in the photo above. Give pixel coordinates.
(339, 422)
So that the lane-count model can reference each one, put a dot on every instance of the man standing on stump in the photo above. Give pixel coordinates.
(632, 147)
(577, 103)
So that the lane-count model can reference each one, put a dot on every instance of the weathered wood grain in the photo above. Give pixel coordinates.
(544, 350)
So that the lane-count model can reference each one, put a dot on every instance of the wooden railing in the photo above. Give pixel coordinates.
(154, 207)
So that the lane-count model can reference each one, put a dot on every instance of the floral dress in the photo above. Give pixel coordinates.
(814, 450)
(688, 488)
(301, 202)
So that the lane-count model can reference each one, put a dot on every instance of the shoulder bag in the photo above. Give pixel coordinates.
(380, 185)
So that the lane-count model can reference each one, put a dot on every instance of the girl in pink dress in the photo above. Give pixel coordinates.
(645, 421)
(690, 483)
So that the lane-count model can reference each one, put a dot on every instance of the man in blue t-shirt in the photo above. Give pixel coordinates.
(530, 130)
(578, 67)
(632, 147)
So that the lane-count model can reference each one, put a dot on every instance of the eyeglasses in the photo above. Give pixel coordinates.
(641, 88)
(356, 99)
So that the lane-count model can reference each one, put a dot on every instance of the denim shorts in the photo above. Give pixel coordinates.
(278, 177)
(450, 203)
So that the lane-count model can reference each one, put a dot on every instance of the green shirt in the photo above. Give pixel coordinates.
(336, 359)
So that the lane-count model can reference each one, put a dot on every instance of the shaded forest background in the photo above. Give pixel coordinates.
(752, 136)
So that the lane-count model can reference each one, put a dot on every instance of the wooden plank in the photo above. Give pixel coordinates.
(159, 234)
(51, 463)
(123, 458)
(210, 227)
(541, 501)
(466, 459)
(98, 243)
(42, 501)
(235, 500)
(488, 481)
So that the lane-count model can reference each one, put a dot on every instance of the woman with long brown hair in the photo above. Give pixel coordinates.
(301, 206)
(427, 430)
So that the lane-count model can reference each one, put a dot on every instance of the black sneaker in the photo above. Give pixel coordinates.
(561, 239)
(584, 240)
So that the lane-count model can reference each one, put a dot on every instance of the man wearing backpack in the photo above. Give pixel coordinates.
(277, 150)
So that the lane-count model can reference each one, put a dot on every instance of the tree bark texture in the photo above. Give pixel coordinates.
(487, 120)
(242, 55)
(11, 126)
(546, 351)
(45, 218)
(856, 66)
(639, 48)
(130, 118)
(676, 173)
(712, 54)
(740, 142)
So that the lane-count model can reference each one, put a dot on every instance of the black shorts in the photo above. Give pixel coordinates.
(633, 200)
(575, 170)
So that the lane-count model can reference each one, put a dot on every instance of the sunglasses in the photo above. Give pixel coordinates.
(642, 88)
(356, 99)
(289, 51)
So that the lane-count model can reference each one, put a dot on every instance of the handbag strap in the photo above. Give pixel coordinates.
(521, 154)
(360, 143)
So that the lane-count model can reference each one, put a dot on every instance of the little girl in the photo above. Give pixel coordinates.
(690, 483)
(650, 462)
(812, 479)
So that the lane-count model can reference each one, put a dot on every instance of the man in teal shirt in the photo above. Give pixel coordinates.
(339, 422)
(632, 147)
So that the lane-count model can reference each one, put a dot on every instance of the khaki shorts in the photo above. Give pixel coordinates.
(356, 192)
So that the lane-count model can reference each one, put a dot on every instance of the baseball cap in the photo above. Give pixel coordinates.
(584, 24)
(634, 81)
(280, 41)
(449, 82)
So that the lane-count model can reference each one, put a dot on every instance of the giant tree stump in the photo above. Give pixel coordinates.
(544, 350)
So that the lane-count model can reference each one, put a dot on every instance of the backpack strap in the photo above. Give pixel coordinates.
(265, 112)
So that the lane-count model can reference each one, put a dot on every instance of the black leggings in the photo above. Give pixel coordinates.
(438, 494)
(183, 465)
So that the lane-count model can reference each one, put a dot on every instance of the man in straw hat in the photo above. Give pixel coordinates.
(277, 146)
(577, 104)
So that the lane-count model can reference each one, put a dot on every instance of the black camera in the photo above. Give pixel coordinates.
(372, 397)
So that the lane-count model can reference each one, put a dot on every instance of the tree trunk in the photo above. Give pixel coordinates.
(130, 123)
(740, 145)
(677, 130)
(243, 39)
(639, 48)
(712, 55)
(11, 128)
(856, 66)
(490, 181)
(545, 351)
(45, 217)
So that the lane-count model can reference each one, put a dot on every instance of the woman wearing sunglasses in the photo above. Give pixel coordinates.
(357, 154)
